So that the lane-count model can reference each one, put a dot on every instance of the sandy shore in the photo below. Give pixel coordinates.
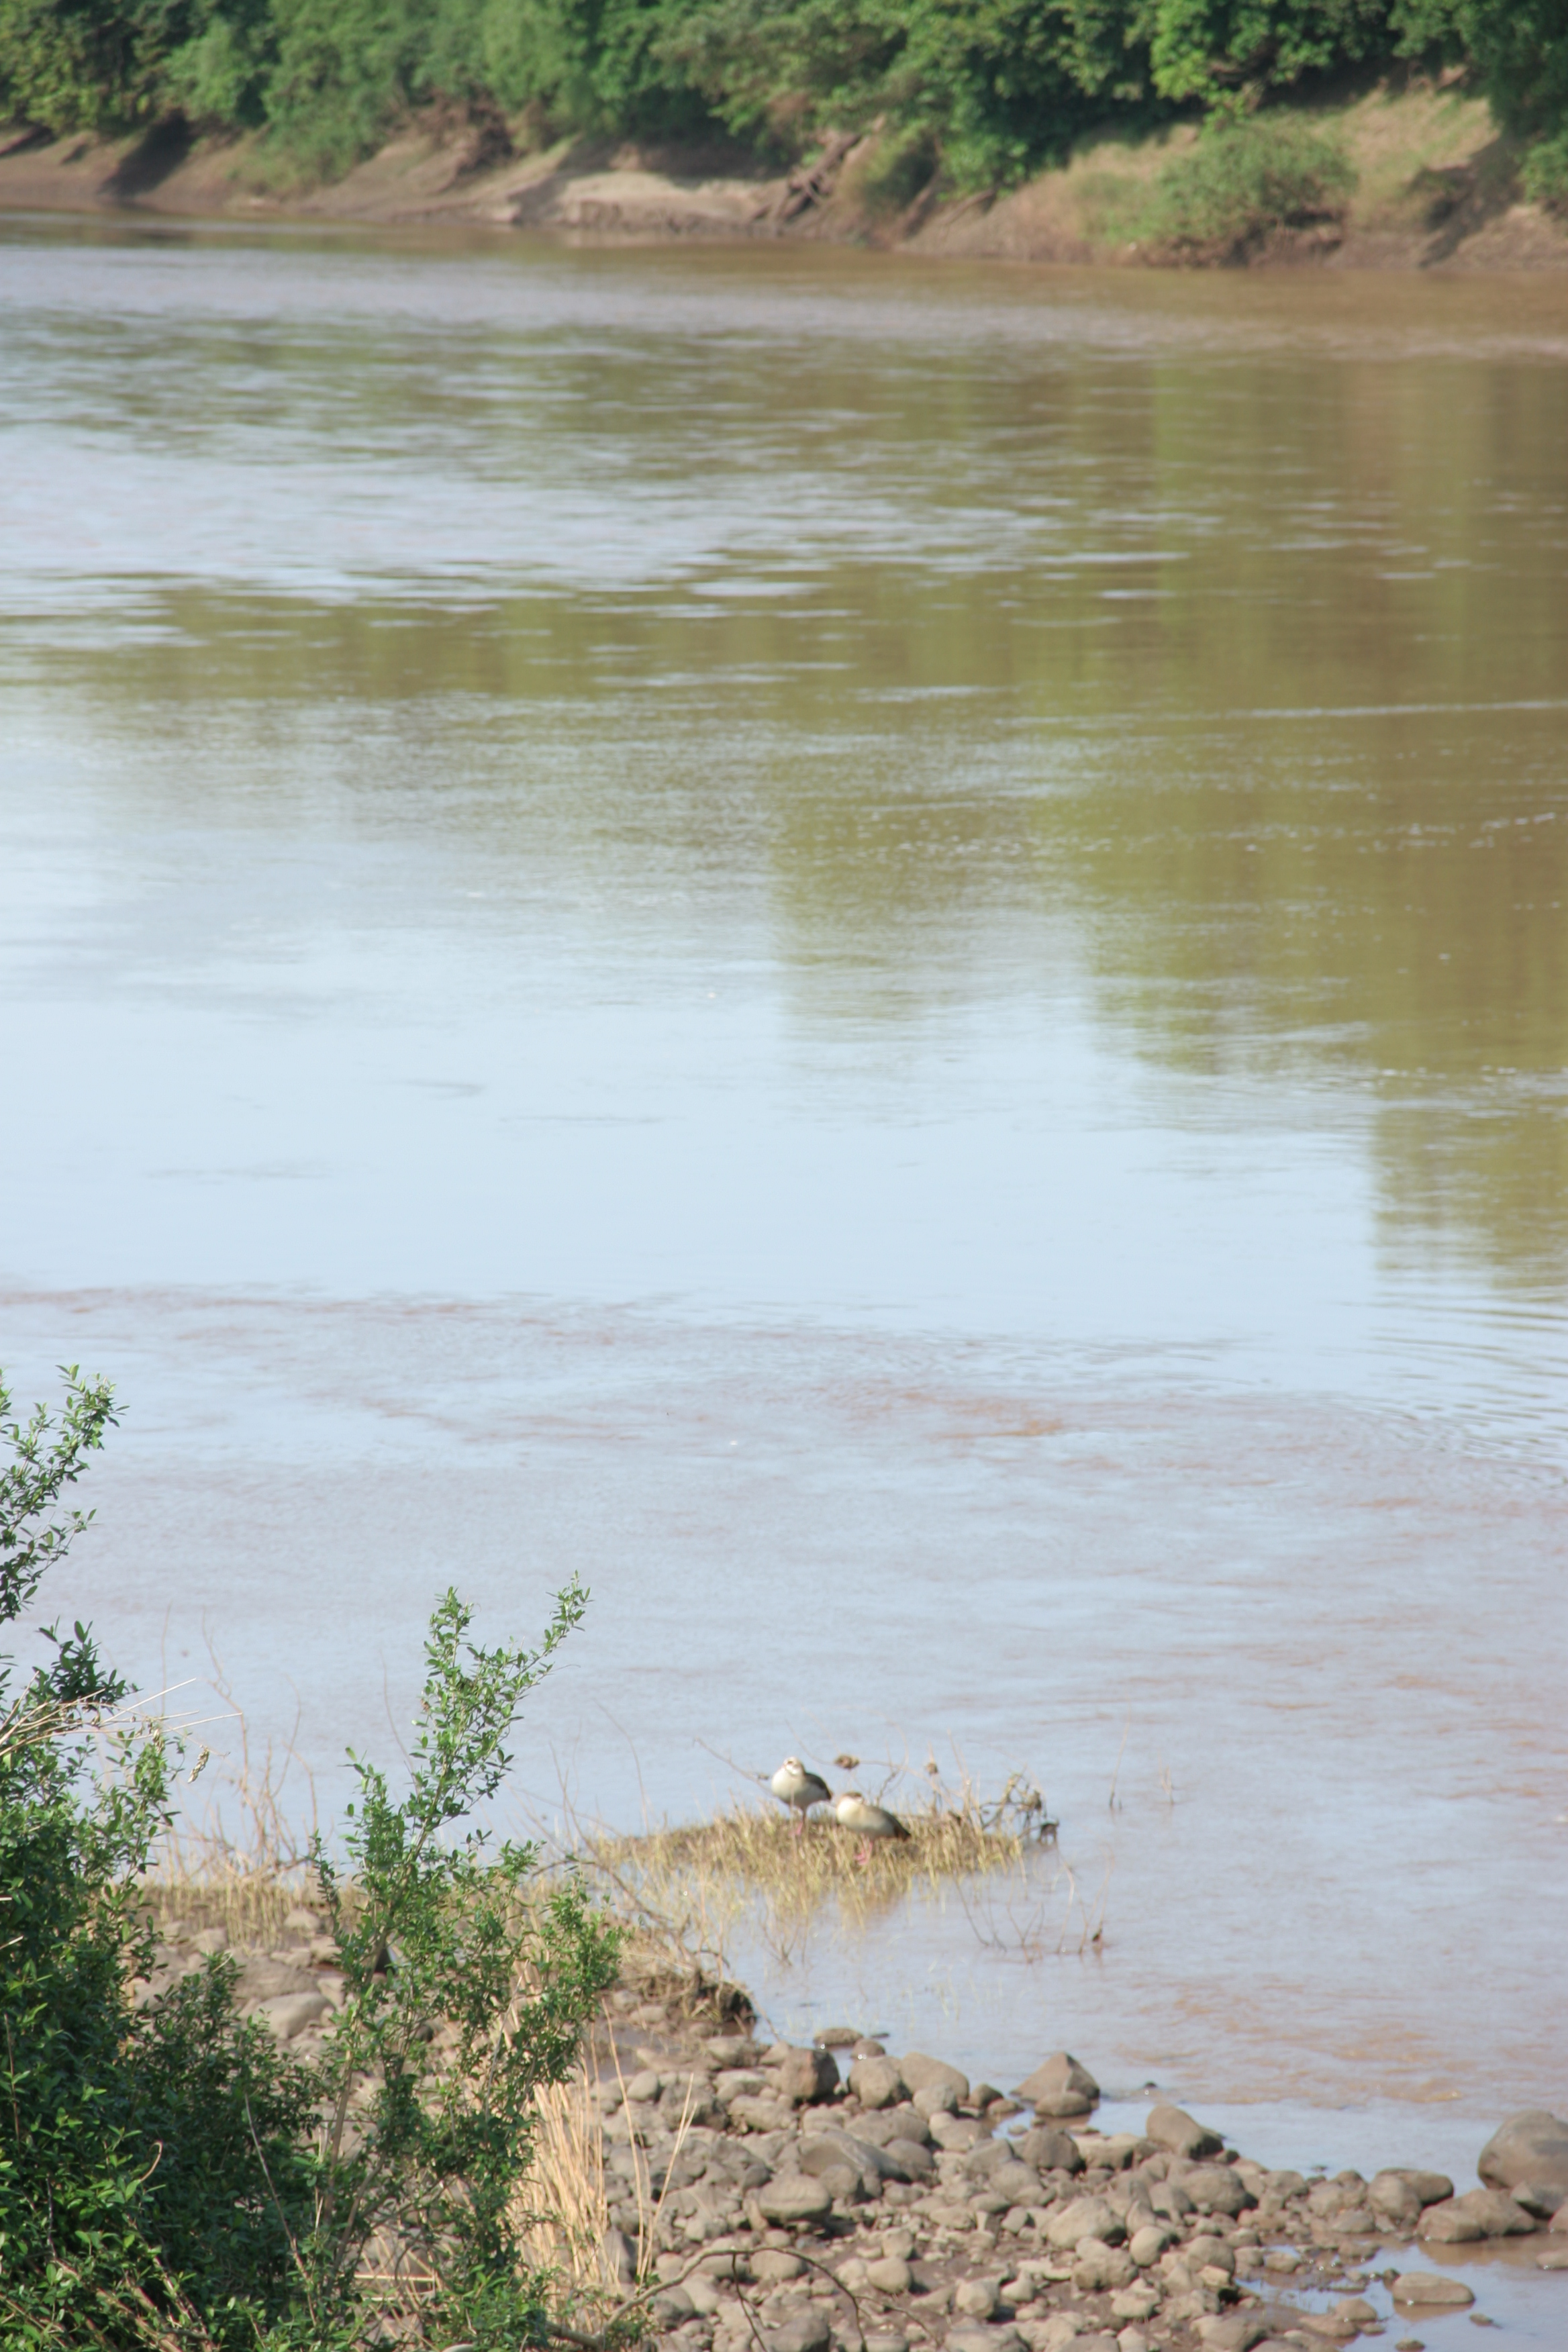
(840, 2198)
(1431, 194)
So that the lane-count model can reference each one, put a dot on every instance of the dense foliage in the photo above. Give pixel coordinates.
(986, 89)
(171, 2179)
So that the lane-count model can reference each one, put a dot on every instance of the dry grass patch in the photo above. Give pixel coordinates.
(707, 1872)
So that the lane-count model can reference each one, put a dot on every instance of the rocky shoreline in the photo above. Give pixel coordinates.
(839, 2198)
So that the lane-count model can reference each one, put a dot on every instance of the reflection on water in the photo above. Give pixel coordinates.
(958, 879)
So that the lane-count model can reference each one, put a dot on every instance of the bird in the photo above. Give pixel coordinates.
(871, 1821)
(847, 1763)
(793, 1786)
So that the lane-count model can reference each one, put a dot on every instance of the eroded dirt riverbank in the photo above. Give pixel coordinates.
(1434, 191)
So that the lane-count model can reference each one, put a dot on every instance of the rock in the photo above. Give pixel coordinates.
(973, 2336)
(762, 2114)
(1392, 2197)
(1084, 2217)
(922, 2072)
(888, 2124)
(890, 2274)
(1060, 2086)
(877, 2082)
(918, 2162)
(1097, 2266)
(741, 2083)
(794, 2197)
(263, 1979)
(670, 2307)
(1052, 2151)
(1431, 2290)
(1148, 2243)
(1482, 2213)
(837, 2037)
(1555, 2258)
(1202, 2252)
(1173, 2128)
(772, 2266)
(1135, 2303)
(292, 2013)
(874, 2164)
(975, 2298)
(733, 2049)
(956, 2131)
(936, 2099)
(807, 2331)
(1217, 2189)
(644, 2086)
(1532, 2145)
(1232, 2331)
(620, 2256)
(807, 2076)
(1430, 2187)
(1016, 2184)
(1543, 2198)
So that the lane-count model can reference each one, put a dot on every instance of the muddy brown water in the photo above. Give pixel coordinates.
(879, 953)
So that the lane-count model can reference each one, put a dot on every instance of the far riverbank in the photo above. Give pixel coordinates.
(1435, 190)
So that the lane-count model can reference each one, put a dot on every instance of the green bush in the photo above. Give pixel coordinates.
(169, 2178)
(1240, 180)
(1544, 173)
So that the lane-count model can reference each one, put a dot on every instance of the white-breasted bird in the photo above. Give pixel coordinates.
(867, 1820)
(793, 1786)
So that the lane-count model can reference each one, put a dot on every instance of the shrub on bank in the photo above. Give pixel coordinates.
(169, 2178)
(1240, 181)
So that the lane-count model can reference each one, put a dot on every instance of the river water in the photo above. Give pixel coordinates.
(879, 953)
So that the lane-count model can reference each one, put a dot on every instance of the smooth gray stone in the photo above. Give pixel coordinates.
(1237, 2332)
(1085, 2217)
(1182, 2134)
(922, 2072)
(902, 2122)
(918, 2162)
(1216, 2188)
(794, 2197)
(823, 2150)
(1015, 2184)
(1052, 2151)
(1531, 2146)
(1431, 2289)
(807, 2331)
(877, 2082)
(974, 2335)
(1393, 2200)
(807, 2076)
(1496, 2212)
(1059, 2086)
